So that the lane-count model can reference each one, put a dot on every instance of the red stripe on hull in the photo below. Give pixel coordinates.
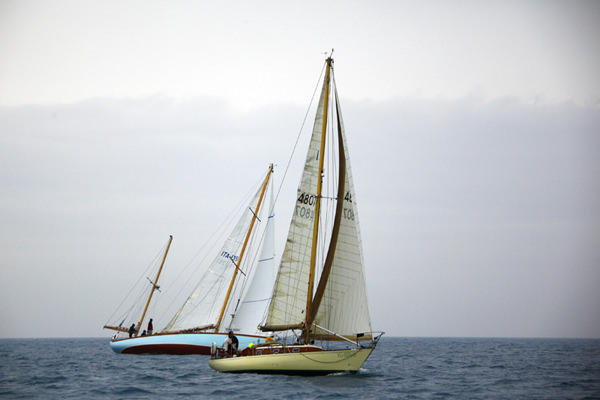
(176, 349)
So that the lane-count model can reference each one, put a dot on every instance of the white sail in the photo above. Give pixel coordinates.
(344, 307)
(258, 293)
(324, 246)
(341, 306)
(202, 308)
(291, 286)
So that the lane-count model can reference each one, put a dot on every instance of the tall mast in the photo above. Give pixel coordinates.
(336, 224)
(239, 262)
(313, 253)
(154, 286)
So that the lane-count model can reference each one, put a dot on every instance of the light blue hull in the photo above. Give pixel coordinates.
(178, 343)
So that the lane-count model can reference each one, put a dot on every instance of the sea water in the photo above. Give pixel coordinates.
(400, 368)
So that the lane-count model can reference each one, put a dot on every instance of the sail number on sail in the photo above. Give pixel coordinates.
(304, 200)
(305, 208)
(227, 256)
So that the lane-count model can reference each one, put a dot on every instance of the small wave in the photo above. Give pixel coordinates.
(130, 391)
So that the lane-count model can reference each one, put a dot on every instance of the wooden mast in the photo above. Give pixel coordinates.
(239, 262)
(336, 224)
(313, 254)
(154, 286)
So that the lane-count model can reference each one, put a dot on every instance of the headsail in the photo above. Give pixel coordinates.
(260, 284)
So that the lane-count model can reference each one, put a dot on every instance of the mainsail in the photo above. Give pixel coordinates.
(207, 307)
(339, 303)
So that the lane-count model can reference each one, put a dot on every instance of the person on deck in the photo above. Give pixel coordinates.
(150, 327)
(132, 330)
(231, 344)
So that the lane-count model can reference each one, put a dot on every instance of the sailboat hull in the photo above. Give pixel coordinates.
(302, 363)
(177, 343)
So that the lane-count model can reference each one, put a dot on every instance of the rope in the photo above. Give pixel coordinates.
(141, 292)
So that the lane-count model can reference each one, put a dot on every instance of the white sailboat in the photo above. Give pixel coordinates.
(210, 310)
(323, 245)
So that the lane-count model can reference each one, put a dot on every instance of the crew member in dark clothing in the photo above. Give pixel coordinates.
(132, 330)
(231, 344)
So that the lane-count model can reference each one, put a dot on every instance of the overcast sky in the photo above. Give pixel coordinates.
(473, 129)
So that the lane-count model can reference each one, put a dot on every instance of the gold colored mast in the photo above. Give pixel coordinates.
(336, 224)
(313, 254)
(154, 287)
(239, 261)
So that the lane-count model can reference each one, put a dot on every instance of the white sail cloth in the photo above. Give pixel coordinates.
(344, 308)
(202, 308)
(258, 293)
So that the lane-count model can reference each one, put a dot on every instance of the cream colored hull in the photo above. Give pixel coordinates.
(304, 363)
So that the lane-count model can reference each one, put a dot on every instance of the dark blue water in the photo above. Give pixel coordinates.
(400, 368)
